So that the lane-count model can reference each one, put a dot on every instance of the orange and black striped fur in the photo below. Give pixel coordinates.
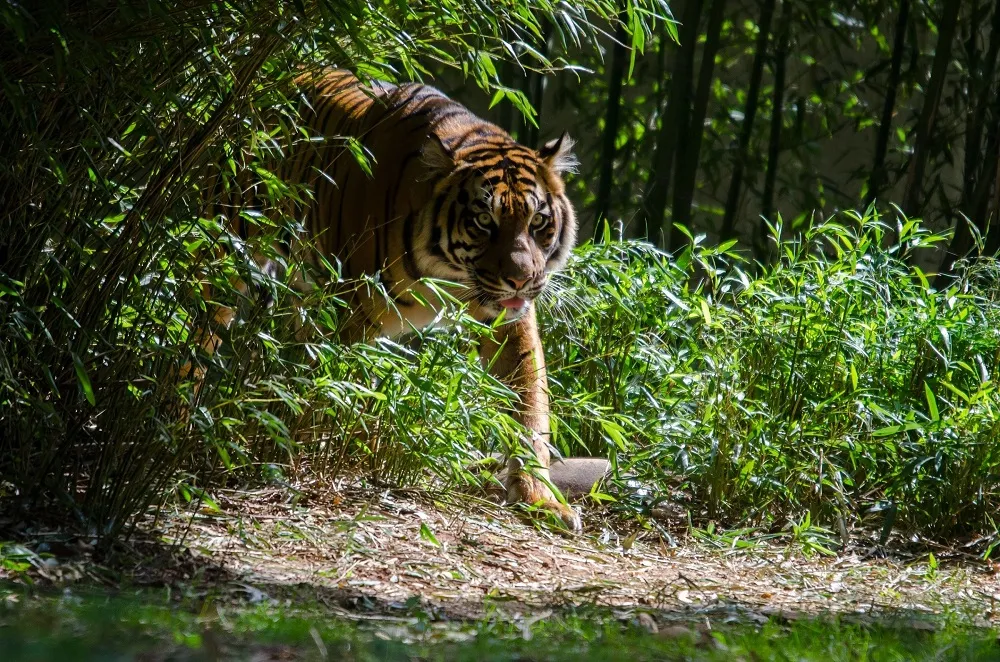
(450, 197)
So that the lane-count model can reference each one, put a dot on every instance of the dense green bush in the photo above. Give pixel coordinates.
(114, 115)
(836, 381)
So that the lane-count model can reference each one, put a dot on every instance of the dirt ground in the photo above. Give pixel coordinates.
(371, 553)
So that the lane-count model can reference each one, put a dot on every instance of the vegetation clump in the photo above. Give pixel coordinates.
(826, 380)
(836, 382)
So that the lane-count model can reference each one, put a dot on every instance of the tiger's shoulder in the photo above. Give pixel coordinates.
(338, 94)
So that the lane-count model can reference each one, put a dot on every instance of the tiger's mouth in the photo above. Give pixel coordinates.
(513, 304)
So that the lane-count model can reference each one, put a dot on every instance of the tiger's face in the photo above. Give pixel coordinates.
(502, 224)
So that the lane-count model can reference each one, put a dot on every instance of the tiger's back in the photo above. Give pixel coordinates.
(364, 219)
(399, 219)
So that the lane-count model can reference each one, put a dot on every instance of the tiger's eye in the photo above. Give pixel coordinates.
(484, 220)
(538, 221)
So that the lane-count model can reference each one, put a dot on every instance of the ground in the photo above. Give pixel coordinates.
(379, 551)
(290, 572)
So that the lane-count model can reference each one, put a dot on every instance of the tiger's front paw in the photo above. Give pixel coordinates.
(525, 488)
(566, 514)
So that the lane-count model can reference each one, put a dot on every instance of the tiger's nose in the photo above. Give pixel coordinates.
(517, 283)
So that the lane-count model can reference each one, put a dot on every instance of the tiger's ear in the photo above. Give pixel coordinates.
(558, 155)
(438, 158)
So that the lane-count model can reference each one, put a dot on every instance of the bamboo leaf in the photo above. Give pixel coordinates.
(84, 380)
(427, 534)
(932, 407)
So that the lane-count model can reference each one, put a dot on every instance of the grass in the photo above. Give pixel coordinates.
(835, 387)
(136, 624)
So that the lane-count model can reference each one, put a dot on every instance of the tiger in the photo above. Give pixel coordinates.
(444, 195)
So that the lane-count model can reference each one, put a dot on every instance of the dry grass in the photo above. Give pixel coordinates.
(369, 552)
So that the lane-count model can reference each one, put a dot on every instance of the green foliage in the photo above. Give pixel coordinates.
(836, 381)
(115, 116)
(843, 88)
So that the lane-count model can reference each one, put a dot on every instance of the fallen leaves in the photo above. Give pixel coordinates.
(380, 548)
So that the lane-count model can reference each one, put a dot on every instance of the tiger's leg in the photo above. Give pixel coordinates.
(516, 358)
(207, 337)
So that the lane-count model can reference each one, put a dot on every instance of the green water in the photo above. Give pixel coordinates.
(156, 625)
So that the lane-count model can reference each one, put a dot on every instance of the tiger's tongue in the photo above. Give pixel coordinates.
(513, 303)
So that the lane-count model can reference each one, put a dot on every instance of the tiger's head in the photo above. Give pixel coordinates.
(500, 221)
